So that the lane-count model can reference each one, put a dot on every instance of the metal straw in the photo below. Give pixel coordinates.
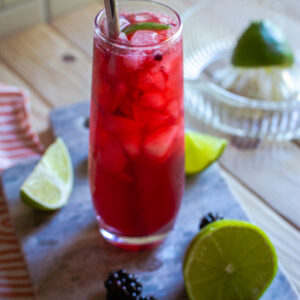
(112, 18)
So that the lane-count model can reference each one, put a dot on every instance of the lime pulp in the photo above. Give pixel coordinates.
(201, 150)
(229, 259)
(49, 186)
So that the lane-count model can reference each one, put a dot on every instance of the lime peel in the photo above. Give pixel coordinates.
(262, 44)
(145, 26)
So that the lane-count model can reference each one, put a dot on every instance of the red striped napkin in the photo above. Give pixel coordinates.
(17, 142)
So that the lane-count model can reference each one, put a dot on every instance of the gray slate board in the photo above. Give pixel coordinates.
(67, 259)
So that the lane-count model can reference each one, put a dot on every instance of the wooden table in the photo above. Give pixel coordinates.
(53, 61)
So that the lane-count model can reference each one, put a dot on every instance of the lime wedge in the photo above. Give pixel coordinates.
(201, 150)
(229, 259)
(49, 186)
(262, 44)
(145, 26)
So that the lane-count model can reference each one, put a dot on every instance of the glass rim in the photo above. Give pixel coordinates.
(123, 45)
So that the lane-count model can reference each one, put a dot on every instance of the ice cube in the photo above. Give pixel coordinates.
(170, 32)
(117, 96)
(123, 38)
(146, 116)
(131, 143)
(143, 17)
(174, 108)
(134, 60)
(145, 37)
(110, 96)
(117, 125)
(125, 110)
(152, 79)
(153, 100)
(159, 143)
(164, 19)
(127, 131)
(171, 63)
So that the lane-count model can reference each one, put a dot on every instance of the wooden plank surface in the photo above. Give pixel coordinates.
(49, 63)
(272, 171)
(79, 32)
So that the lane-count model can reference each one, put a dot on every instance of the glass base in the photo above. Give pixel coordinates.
(133, 243)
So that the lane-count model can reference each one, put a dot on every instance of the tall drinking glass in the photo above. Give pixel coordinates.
(136, 156)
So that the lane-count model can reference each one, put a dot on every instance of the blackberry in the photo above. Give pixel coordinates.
(158, 57)
(147, 298)
(209, 218)
(121, 285)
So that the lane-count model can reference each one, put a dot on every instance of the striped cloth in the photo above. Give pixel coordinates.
(17, 142)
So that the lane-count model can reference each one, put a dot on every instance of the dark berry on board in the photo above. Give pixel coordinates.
(121, 285)
(209, 218)
(147, 298)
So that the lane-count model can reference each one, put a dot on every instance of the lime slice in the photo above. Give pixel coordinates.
(229, 259)
(145, 26)
(49, 186)
(201, 150)
(263, 44)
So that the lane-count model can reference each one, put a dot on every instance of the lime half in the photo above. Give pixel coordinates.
(229, 259)
(262, 44)
(201, 150)
(49, 186)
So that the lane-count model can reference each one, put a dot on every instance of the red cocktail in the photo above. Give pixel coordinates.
(136, 160)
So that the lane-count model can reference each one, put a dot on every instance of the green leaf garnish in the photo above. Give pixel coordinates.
(145, 26)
